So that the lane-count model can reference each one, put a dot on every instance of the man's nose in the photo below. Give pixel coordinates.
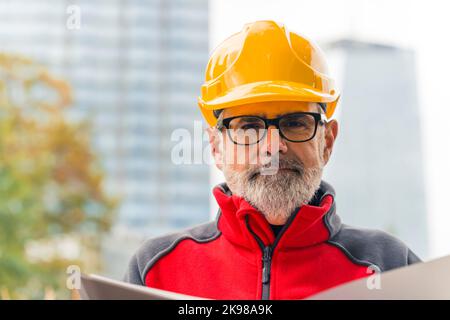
(273, 142)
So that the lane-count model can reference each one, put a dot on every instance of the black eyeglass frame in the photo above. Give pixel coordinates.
(319, 118)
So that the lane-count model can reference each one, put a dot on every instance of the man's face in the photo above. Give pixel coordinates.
(276, 193)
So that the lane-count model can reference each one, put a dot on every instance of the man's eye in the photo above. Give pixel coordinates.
(249, 126)
(294, 124)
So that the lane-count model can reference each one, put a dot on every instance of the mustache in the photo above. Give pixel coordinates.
(295, 166)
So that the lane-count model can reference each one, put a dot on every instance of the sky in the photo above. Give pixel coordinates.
(418, 25)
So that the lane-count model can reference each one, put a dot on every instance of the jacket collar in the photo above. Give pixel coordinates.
(245, 226)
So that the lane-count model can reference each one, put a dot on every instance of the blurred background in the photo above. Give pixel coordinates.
(92, 91)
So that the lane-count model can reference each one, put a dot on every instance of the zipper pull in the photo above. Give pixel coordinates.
(267, 256)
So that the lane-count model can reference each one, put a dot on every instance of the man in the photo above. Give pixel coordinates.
(268, 100)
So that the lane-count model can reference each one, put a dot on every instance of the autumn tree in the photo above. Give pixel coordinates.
(53, 207)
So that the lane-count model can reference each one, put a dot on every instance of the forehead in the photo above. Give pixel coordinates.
(271, 109)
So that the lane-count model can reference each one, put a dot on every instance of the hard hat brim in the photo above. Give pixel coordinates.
(265, 91)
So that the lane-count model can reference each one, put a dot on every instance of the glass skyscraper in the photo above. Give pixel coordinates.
(135, 67)
(377, 164)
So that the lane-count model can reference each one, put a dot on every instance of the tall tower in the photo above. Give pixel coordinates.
(377, 165)
(136, 68)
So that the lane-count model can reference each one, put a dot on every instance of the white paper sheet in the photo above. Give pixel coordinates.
(94, 287)
(421, 281)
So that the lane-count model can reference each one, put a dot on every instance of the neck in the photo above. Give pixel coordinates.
(276, 220)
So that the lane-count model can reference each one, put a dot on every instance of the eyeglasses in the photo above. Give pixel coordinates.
(294, 127)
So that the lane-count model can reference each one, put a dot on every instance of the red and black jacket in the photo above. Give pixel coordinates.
(237, 256)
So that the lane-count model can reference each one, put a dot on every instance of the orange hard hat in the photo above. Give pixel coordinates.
(266, 62)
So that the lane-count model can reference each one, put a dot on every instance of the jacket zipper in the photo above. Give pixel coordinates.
(267, 261)
(267, 252)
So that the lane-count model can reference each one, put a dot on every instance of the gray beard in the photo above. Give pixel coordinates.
(276, 195)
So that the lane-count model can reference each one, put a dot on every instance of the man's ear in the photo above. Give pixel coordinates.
(215, 141)
(331, 132)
